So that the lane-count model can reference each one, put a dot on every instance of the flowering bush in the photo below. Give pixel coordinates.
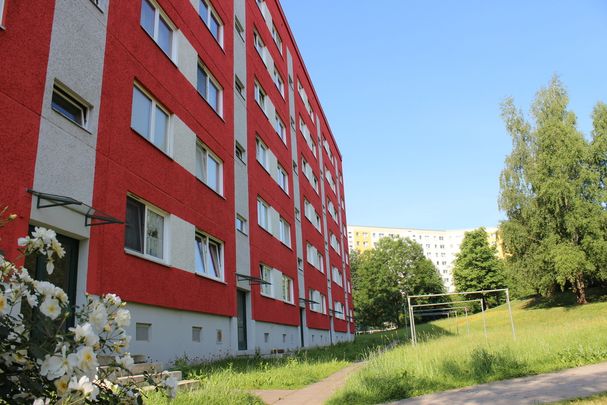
(44, 362)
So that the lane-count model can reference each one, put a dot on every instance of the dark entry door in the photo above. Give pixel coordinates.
(242, 319)
(301, 325)
(66, 269)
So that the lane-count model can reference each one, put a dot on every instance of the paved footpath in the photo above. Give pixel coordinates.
(544, 388)
(314, 394)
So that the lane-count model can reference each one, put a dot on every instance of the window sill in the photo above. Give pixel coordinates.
(147, 257)
(217, 280)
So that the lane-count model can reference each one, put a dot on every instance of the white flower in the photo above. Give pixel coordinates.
(98, 316)
(4, 308)
(62, 385)
(87, 360)
(47, 235)
(50, 266)
(50, 307)
(57, 366)
(61, 295)
(57, 248)
(85, 334)
(41, 401)
(85, 386)
(45, 288)
(22, 242)
(32, 300)
(123, 318)
(170, 384)
(125, 361)
(113, 299)
(25, 276)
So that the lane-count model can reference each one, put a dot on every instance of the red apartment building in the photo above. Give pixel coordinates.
(180, 151)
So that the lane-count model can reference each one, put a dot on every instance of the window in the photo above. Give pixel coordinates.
(311, 214)
(307, 136)
(266, 275)
(64, 103)
(287, 289)
(337, 278)
(211, 20)
(150, 120)
(142, 332)
(260, 96)
(239, 87)
(280, 128)
(239, 152)
(330, 180)
(239, 28)
(309, 173)
(258, 43)
(241, 224)
(263, 212)
(318, 303)
(261, 153)
(208, 255)
(280, 84)
(209, 168)
(277, 39)
(284, 232)
(314, 257)
(334, 242)
(331, 209)
(196, 333)
(339, 310)
(209, 89)
(157, 25)
(2, 6)
(283, 179)
(144, 229)
(219, 335)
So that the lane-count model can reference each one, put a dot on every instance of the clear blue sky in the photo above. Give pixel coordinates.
(412, 90)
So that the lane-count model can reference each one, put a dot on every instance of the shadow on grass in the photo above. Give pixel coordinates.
(565, 299)
(483, 366)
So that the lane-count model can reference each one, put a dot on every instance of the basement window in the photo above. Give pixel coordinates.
(196, 333)
(69, 106)
(142, 332)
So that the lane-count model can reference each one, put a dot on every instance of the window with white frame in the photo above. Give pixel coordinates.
(66, 104)
(2, 6)
(334, 242)
(317, 302)
(276, 37)
(336, 275)
(280, 128)
(145, 229)
(284, 232)
(240, 152)
(280, 84)
(287, 289)
(241, 224)
(309, 174)
(261, 153)
(339, 310)
(209, 168)
(282, 179)
(208, 87)
(330, 180)
(260, 95)
(208, 255)
(307, 136)
(304, 98)
(331, 209)
(210, 18)
(258, 43)
(263, 214)
(155, 22)
(265, 273)
(150, 120)
(314, 257)
(311, 214)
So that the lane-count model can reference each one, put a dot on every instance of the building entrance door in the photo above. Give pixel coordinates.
(65, 273)
(241, 303)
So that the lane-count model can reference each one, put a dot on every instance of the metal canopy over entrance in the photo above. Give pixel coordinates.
(92, 216)
(251, 279)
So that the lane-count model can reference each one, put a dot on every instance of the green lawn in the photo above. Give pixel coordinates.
(548, 339)
(225, 382)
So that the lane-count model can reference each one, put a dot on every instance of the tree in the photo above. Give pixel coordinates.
(552, 190)
(382, 277)
(477, 266)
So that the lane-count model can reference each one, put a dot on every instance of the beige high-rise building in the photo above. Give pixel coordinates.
(440, 246)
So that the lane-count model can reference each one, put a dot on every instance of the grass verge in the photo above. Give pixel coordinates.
(548, 339)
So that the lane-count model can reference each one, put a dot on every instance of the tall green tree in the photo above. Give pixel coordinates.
(552, 190)
(382, 277)
(476, 265)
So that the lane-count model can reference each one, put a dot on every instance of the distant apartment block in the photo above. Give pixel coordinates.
(440, 246)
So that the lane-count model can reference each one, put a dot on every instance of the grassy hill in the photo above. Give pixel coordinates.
(548, 338)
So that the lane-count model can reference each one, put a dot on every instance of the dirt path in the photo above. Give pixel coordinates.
(314, 394)
(544, 388)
